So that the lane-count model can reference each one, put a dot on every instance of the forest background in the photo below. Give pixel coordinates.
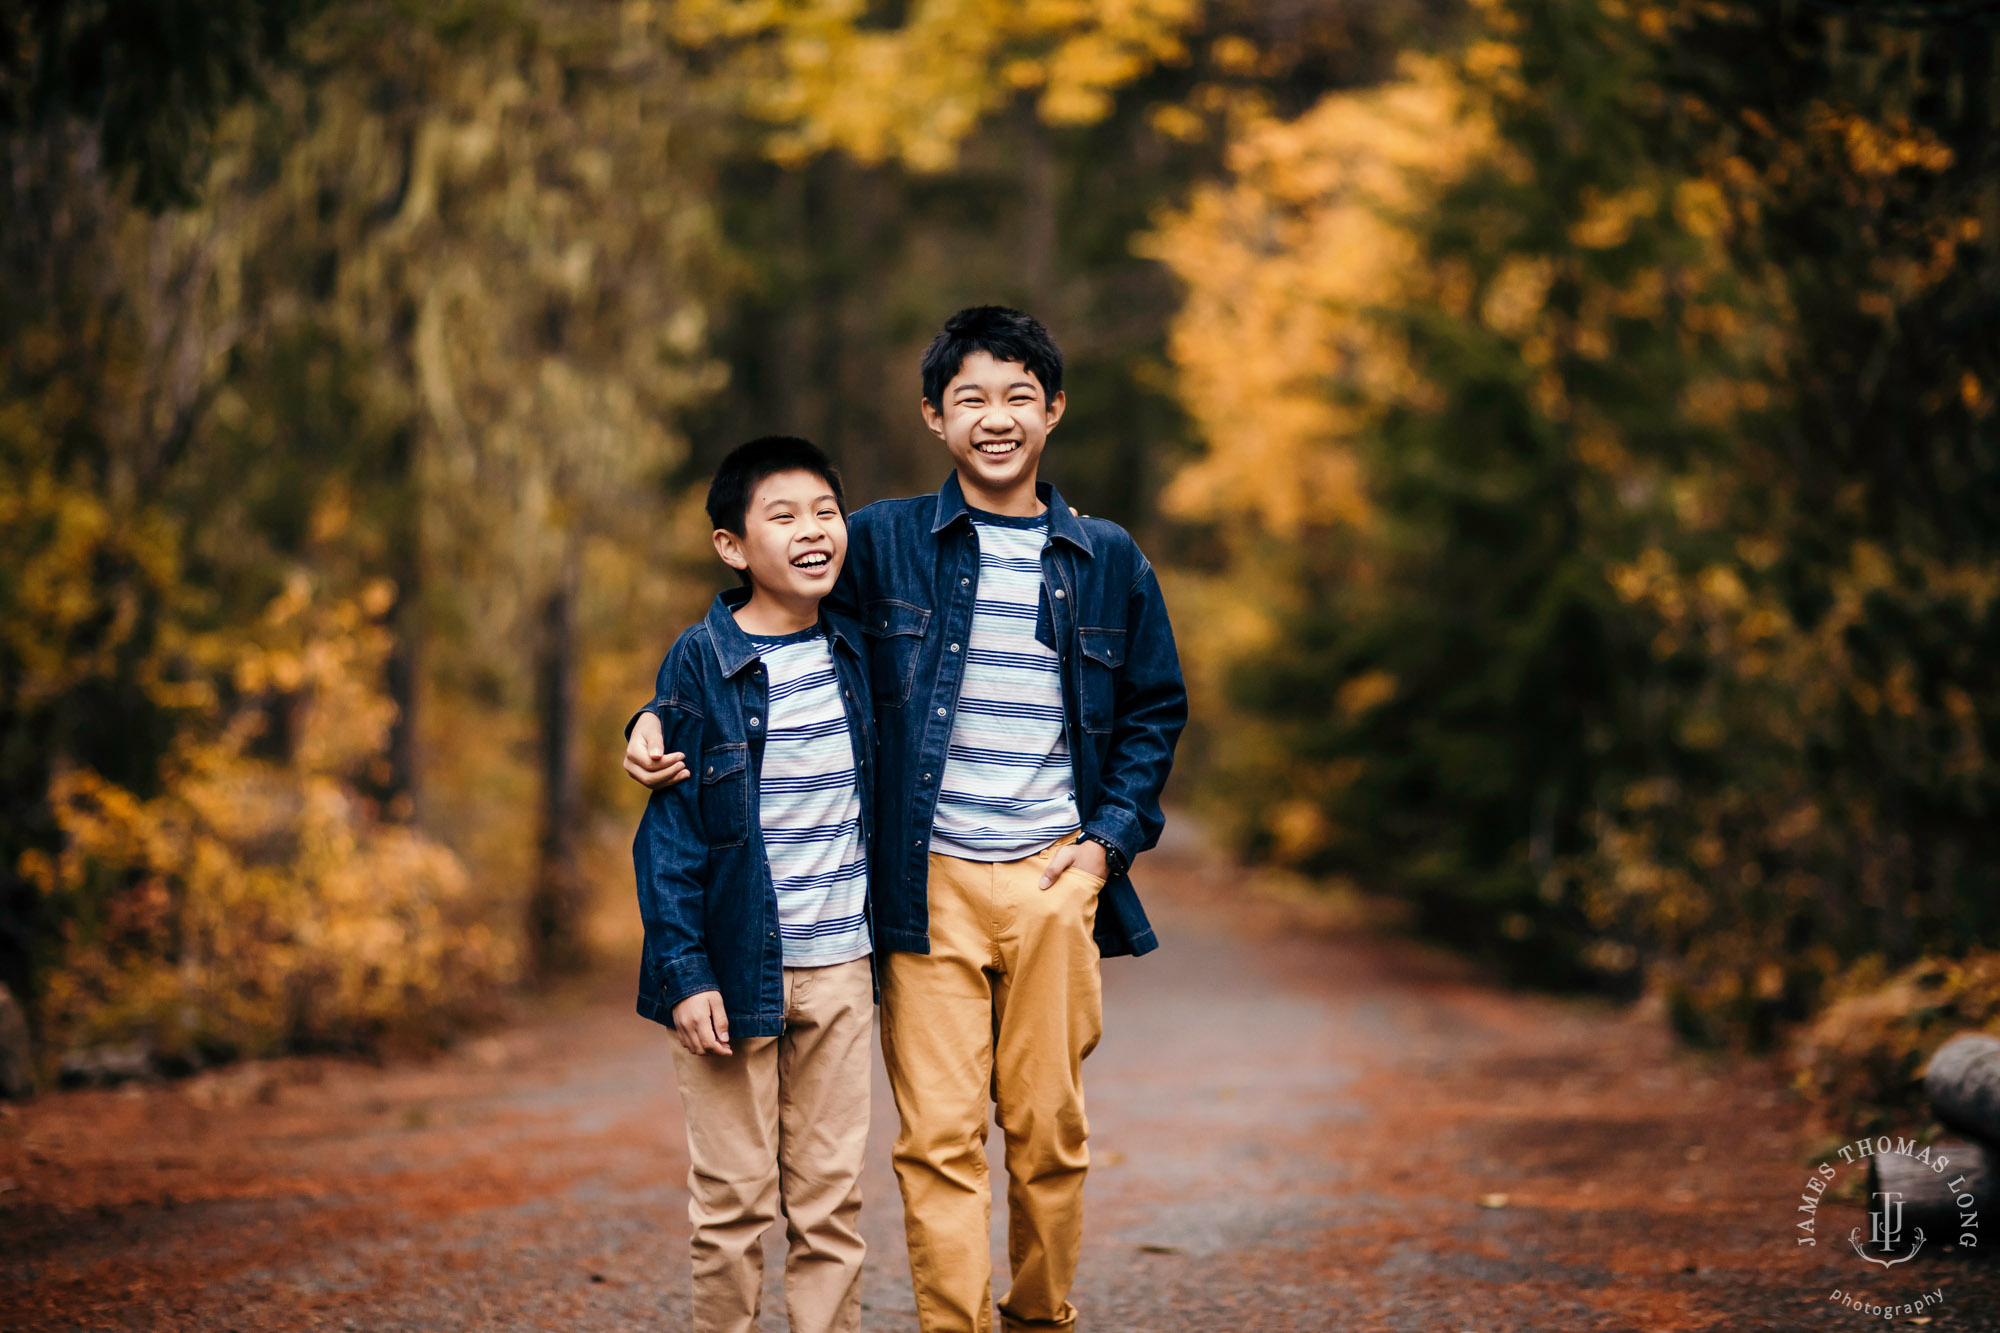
(1565, 429)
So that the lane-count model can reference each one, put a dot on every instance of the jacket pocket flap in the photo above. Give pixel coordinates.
(1102, 645)
(883, 618)
(719, 761)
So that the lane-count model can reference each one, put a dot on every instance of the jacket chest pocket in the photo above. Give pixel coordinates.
(895, 633)
(1103, 655)
(725, 795)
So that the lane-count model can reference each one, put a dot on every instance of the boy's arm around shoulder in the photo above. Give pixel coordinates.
(1149, 710)
(663, 688)
(670, 855)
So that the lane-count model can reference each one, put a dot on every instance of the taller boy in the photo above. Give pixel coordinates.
(1027, 698)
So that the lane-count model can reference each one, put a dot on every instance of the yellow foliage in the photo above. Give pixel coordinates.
(1869, 1050)
(1875, 148)
(1607, 219)
(254, 905)
(1365, 693)
(914, 92)
(1284, 265)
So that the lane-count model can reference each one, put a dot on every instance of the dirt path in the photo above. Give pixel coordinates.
(1293, 1129)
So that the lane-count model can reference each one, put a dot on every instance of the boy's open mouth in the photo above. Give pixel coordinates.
(996, 448)
(813, 560)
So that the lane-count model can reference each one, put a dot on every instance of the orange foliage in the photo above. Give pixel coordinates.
(1278, 350)
(915, 91)
(257, 904)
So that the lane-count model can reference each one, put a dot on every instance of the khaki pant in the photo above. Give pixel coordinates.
(1007, 1004)
(782, 1125)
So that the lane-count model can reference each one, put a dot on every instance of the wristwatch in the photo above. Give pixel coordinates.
(1114, 860)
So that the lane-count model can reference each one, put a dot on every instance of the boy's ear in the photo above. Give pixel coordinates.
(1056, 406)
(730, 547)
(932, 417)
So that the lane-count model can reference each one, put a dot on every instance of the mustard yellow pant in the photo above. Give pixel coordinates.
(780, 1128)
(1007, 1004)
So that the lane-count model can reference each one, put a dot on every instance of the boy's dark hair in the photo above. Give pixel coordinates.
(1003, 334)
(737, 476)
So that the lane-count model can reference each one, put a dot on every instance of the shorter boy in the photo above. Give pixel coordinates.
(753, 887)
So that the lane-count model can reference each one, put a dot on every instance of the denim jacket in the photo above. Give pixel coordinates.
(911, 574)
(705, 893)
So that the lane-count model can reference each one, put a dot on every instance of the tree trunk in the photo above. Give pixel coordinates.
(556, 944)
(1963, 1083)
(1040, 201)
(404, 670)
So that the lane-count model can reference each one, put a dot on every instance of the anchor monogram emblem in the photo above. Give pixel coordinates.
(1885, 1231)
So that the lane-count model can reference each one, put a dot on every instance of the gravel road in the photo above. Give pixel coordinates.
(1295, 1126)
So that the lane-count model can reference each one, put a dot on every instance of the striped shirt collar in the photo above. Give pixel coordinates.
(952, 508)
(733, 648)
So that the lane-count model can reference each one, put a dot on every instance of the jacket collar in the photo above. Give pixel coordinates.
(951, 507)
(733, 649)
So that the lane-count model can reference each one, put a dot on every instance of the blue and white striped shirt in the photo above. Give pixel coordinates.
(1009, 789)
(809, 807)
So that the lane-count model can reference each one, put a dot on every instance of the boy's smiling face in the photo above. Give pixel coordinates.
(793, 541)
(995, 420)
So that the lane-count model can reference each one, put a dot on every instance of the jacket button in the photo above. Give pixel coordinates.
(885, 624)
(1059, 594)
(711, 770)
(927, 777)
(965, 583)
(753, 721)
(940, 712)
(954, 647)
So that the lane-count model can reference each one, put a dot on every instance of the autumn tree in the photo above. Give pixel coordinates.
(106, 362)
(1629, 619)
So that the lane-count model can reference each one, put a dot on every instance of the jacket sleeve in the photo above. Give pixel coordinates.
(845, 596)
(662, 691)
(670, 858)
(1150, 708)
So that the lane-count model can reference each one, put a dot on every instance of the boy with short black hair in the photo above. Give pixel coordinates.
(1028, 697)
(753, 890)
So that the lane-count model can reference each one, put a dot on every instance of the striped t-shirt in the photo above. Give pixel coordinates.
(1008, 788)
(809, 807)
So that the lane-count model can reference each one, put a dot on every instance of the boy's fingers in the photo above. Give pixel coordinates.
(1057, 864)
(714, 1026)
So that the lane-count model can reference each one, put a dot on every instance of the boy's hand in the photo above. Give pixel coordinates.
(1085, 856)
(646, 758)
(702, 1025)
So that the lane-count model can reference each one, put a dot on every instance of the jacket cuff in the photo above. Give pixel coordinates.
(1117, 827)
(681, 977)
